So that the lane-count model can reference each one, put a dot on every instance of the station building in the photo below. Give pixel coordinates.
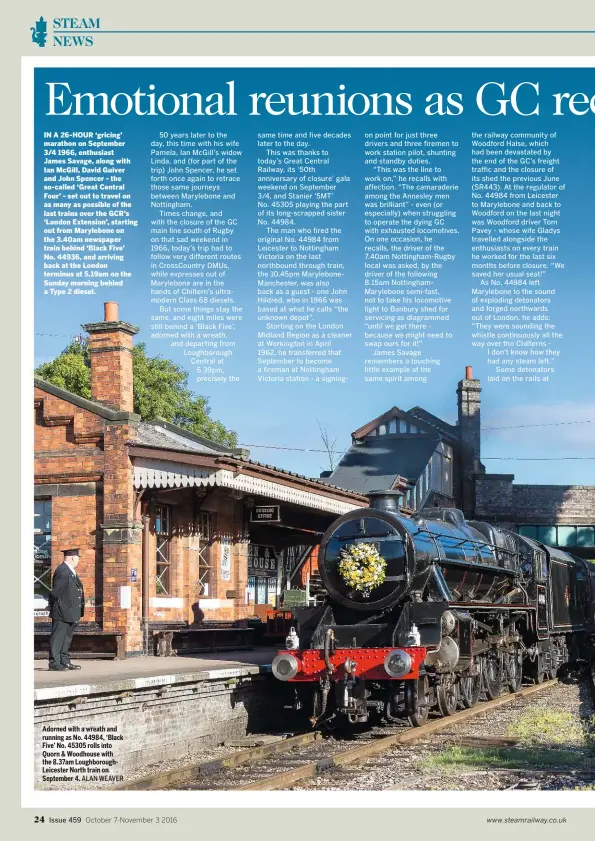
(438, 464)
(173, 530)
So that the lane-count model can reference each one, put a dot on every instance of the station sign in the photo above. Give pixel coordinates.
(261, 558)
(225, 570)
(294, 598)
(265, 514)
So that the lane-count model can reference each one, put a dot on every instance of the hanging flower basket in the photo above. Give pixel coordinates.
(362, 567)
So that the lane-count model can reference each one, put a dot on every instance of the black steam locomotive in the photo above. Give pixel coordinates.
(430, 612)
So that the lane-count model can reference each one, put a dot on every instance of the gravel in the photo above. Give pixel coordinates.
(422, 766)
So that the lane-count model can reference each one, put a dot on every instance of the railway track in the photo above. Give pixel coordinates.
(289, 761)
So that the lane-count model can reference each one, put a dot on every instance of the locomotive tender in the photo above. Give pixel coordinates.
(459, 608)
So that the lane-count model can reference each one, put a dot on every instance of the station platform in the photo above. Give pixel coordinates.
(150, 710)
(101, 676)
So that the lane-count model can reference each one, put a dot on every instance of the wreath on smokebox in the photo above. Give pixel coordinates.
(362, 567)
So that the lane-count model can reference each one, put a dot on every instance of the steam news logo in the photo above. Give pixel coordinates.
(39, 32)
(66, 32)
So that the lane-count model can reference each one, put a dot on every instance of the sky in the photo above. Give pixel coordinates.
(542, 446)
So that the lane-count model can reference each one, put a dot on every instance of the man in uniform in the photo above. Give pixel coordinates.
(67, 605)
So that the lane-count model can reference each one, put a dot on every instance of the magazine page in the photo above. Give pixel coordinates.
(307, 309)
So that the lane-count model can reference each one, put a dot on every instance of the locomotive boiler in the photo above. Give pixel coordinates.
(430, 612)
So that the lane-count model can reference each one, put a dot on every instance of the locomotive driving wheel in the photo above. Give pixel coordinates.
(447, 697)
(493, 676)
(537, 669)
(470, 690)
(417, 701)
(514, 670)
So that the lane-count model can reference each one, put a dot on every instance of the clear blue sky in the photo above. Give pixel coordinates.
(286, 415)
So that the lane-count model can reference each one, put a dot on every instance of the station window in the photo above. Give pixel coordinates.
(416, 496)
(205, 530)
(400, 426)
(262, 590)
(528, 531)
(163, 532)
(42, 549)
(547, 535)
(441, 469)
(566, 537)
(585, 536)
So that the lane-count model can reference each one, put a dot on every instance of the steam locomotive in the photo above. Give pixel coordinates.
(429, 612)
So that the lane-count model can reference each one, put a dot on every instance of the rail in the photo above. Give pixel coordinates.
(310, 757)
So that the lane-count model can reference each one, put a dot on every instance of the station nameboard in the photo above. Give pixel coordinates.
(265, 514)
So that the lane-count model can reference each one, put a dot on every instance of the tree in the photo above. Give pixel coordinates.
(329, 447)
(160, 389)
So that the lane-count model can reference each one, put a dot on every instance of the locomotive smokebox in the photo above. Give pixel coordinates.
(385, 501)
(379, 532)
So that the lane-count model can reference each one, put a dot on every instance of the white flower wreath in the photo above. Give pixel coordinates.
(362, 567)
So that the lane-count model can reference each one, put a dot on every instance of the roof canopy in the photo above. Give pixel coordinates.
(162, 473)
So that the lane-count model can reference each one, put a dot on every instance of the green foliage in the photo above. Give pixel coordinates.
(70, 370)
(549, 738)
(548, 726)
(160, 390)
(460, 758)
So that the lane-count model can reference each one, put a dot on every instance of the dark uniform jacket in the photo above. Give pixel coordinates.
(67, 598)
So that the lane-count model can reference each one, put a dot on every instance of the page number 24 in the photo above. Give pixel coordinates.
(41, 819)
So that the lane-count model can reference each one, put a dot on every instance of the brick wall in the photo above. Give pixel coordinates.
(498, 498)
(493, 496)
(184, 558)
(69, 464)
(75, 523)
(160, 726)
(569, 504)
(122, 538)
(81, 462)
(63, 426)
(227, 595)
(185, 544)
(77, 441)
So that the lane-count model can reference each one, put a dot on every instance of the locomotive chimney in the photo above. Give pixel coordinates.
(385, 501)
(469, 422)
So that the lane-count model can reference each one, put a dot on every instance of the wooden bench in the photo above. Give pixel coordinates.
(87, 644)
(168, 643)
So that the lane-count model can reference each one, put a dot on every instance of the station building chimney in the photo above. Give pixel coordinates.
(110, 346)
